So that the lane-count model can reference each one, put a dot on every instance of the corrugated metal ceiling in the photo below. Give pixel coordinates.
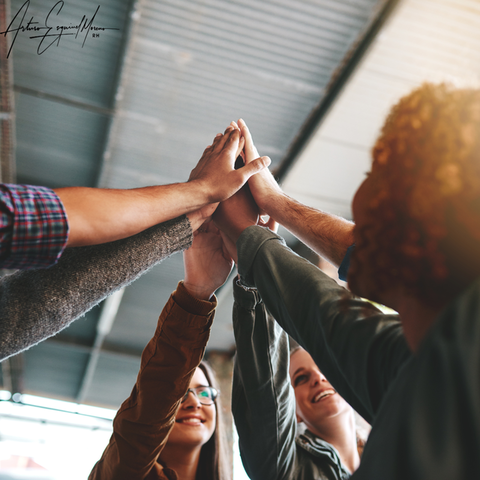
(184, 70)
(426, 40)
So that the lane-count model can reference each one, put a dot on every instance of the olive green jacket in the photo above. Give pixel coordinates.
(424, 408)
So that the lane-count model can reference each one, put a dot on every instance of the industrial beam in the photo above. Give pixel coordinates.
(335, 87)
(105, 323)
(125, 51)
(7, 112)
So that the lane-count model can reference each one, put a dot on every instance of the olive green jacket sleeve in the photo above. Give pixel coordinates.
(142, 425)
(359, 349)
(263, 403)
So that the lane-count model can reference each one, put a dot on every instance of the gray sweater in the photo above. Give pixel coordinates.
(37, 304)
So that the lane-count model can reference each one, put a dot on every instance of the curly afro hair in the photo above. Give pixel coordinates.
(425, 209)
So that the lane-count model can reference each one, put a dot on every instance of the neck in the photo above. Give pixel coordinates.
(182, 459)
(417, 318)
(341, 434)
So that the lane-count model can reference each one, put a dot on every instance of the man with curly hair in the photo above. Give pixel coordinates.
(415, 376)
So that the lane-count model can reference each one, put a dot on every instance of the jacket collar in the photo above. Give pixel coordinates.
(322, 449)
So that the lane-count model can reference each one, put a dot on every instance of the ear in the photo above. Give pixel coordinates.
(299, 419)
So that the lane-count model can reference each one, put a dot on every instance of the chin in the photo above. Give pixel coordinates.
(191, 438)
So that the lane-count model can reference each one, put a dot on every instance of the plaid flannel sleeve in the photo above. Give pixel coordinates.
(33, 227)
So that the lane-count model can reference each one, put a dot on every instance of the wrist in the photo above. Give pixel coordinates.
(198, 291)
(236, 230)
(200, 192)
(193, 305)
(274, 203)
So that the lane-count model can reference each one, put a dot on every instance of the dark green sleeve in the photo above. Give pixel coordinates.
(263, 402)
(359, 349)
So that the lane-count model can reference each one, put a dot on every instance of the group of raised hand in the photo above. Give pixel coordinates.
(239, 199)
(259, 197)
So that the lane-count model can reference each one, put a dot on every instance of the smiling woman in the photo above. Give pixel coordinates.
(323, 411)
(198, 429)
(170, 427)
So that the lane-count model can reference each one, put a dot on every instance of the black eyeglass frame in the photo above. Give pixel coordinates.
(214, 393)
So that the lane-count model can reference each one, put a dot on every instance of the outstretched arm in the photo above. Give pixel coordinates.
(37, 304)
(142, 425)
(358, 348)
(263, 402)
(103, 215)
(144, 421)
(327, 234)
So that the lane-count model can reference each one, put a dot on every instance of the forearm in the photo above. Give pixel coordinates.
(356, 347)
(263, 403)
(37, 304)
(326, 234)
(145, 419)
(103, 215)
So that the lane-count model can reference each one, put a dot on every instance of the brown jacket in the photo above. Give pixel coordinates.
(142, 425)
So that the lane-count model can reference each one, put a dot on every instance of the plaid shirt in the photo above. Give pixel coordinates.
(33, 227)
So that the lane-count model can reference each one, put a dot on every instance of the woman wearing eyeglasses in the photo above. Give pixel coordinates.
(169, 428)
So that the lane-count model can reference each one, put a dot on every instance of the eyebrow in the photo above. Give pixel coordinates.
(298, 370)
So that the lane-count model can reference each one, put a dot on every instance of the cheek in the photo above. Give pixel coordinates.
(300, 402)
(212, 419)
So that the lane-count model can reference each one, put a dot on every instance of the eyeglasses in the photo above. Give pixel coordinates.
(205, 395)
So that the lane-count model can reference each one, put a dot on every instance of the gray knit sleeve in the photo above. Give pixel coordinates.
(37, 304)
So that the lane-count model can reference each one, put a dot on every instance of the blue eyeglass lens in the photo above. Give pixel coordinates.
(207, 394)
(204, 393)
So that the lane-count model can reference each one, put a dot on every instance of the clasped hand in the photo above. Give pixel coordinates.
(244, 209)
(209, 260)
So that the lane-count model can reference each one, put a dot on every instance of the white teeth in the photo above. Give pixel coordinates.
(325, 393)
(190, 421)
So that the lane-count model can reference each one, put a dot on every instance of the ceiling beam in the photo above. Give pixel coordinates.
(125, 51)
(335, 87)
(89, 107)
(105, 323)
(7, 111)
(12, 368)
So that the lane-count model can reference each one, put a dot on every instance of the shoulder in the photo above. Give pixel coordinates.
(318, 459)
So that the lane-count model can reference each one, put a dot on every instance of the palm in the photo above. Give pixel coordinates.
(207, 263)
(262, 185)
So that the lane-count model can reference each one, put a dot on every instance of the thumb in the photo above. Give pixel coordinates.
(270, 223)
(254, 167)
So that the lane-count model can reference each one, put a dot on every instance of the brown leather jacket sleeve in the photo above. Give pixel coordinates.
(142, 425)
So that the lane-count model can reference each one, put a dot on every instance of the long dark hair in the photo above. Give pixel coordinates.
(213, 463)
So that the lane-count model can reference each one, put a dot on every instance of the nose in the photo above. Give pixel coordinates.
(191, 401)
(317, 377)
